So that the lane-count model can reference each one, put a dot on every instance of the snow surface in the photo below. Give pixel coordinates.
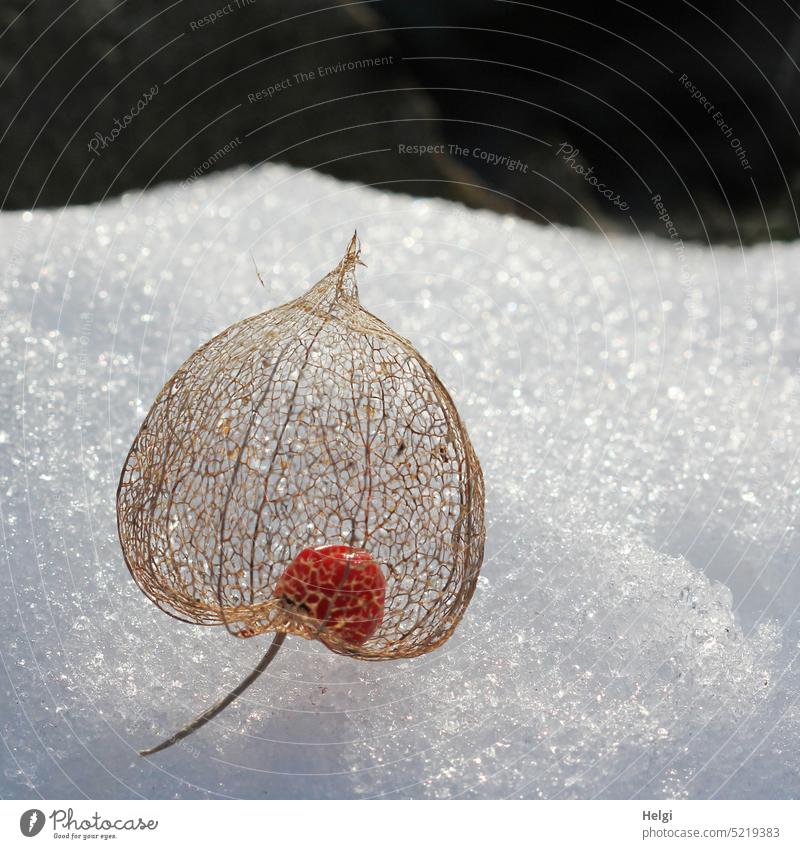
(635, 628)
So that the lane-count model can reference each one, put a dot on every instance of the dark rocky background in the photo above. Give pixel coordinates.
(515, 79)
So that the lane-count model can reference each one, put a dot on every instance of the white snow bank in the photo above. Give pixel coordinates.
(635, 629)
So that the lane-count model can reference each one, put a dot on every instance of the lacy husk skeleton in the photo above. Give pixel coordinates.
(304, 426)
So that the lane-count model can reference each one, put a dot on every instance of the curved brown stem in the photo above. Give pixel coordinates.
(211, 712)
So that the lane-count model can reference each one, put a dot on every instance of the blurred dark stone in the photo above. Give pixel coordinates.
(70, 77)
(516, 80)
(606, 77)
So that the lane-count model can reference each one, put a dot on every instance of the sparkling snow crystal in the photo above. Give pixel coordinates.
(635, 628)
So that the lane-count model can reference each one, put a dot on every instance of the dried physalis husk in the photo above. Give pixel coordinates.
(306, 472)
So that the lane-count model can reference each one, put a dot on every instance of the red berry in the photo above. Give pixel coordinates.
(335, 589)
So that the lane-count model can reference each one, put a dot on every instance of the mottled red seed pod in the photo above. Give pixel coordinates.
(306, 437)
(337, 592)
